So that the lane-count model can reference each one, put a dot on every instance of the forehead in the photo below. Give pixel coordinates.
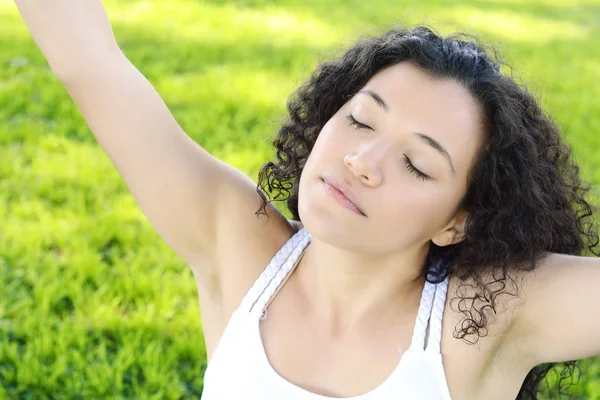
(443, 109)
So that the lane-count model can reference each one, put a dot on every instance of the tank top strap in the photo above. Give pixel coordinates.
(274, 274)
(437, 313)
(427, 296)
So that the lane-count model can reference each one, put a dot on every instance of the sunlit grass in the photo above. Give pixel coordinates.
(94, 304)
(226, 24)
(511, 25)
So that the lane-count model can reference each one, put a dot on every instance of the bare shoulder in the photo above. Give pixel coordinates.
(244, 243)
(479, 353)
(250, 248)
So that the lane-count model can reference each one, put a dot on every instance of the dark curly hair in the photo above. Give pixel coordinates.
(524, 197)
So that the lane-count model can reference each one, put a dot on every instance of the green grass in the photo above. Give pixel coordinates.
(94, 304)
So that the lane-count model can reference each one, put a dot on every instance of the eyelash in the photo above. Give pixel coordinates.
(359, 125)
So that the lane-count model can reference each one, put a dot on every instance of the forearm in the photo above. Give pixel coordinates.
(73, 35)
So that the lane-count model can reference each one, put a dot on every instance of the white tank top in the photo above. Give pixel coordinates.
(239, 368)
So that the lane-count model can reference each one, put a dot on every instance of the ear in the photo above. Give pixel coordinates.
(453, 232)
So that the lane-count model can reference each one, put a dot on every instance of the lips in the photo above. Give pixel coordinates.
(343, 194)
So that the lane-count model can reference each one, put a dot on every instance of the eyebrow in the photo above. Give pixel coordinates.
(424, 138)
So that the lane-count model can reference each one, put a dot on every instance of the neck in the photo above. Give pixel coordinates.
(350, 289)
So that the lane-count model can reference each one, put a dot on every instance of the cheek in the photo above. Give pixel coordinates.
(330, 136)
(327, 147)
(415, 208)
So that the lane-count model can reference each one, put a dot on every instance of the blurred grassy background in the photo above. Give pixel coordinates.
(94, 304)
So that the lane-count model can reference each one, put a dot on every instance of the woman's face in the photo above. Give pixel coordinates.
(406, 164)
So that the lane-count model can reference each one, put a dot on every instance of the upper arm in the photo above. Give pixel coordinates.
(199, 205)
(203, 208)
(559, 319)
(172, 178)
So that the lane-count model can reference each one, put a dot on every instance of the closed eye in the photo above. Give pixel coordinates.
(359, 125)
(413, 170)
(407, 162)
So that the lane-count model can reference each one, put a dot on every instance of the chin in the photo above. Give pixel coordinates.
(325, 220)
(327, 225)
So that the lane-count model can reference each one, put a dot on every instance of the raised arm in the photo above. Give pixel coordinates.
(558, 321)
(199, 205)
(72, 35)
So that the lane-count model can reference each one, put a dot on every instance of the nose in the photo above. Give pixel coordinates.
(364, 167)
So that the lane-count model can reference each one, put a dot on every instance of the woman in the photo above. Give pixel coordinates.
(423, 184)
